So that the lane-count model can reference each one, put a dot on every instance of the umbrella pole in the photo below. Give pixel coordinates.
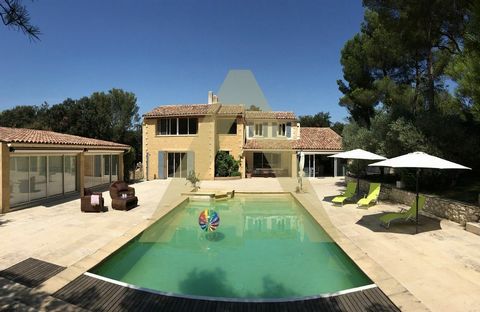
(416, 198)
(358, 179)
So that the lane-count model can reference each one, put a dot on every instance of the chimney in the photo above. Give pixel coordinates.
(298, 131)
(210, 97)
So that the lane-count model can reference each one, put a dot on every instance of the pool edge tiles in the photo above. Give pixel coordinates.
(233, 299)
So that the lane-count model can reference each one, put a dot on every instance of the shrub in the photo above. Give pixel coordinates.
(225, 164)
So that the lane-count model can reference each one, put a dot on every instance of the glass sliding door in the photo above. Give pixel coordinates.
(93, 170)
(70, 174)
(106, 169)
(38, 177)
(178, 162)
(114, 168)
(19, 183)
(177, 165)
(171, 164)
(101, 169)
(55, 175)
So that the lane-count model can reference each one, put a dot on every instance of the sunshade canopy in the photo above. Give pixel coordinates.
(418, 160)
(358, 154)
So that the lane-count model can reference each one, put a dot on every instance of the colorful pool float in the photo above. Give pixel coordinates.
(208, 220)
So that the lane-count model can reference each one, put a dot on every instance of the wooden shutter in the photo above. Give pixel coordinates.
(265, 129)
(289, 129)
(191, 162)
(161, 165)
(274, 129)
(250, 130)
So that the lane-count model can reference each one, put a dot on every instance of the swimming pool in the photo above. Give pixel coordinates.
(266, 247)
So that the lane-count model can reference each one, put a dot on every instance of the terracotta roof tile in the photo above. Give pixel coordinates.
(226, 109)
(269, 115)
(318, 138)
(269, 144)
(20, 135)
(183, 110)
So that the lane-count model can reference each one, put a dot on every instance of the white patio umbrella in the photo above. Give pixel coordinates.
(418, 160)
(301, 165)
(358, 154)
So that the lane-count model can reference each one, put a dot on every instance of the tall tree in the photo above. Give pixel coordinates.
(465, 69)
(430, 32)
(396, 71)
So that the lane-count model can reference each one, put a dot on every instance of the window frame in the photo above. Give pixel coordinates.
(165, 125)
(282, 129)
(258, 130)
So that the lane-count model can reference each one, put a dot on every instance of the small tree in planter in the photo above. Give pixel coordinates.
(194, 180)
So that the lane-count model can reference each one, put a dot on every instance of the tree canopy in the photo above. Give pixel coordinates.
(321, 119)
(111, 116)
(411, 79)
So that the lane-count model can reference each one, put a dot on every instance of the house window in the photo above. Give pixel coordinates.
(182, 125)
(227, 126)
(258, 130)
(282, 129)
(177, 126)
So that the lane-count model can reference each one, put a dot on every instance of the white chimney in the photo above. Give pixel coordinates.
(210, 97)
(298, 131)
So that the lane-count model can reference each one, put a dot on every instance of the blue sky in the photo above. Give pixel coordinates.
(170, 52)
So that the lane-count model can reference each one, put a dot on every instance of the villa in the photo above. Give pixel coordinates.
(180, 138)
(39, 165)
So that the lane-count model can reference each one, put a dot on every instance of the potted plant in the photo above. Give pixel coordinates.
(248, 173)
(194, 180)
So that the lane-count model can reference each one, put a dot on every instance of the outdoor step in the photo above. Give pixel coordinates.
(473, 227)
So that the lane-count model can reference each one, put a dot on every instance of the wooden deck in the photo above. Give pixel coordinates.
(97, 295)
(31, 272)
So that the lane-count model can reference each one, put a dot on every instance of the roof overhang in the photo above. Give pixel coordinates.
(52, 148)
(268, 150)
(318, 152)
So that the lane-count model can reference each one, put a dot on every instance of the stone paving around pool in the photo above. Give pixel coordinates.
(440, 266)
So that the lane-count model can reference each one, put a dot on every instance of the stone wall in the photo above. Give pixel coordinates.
(440, 207)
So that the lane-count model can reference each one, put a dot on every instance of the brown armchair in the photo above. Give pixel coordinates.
(86, 202)
(117, 189)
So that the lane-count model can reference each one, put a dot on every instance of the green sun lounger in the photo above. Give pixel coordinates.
(372, 196)
(349, 193)
(404, 214)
